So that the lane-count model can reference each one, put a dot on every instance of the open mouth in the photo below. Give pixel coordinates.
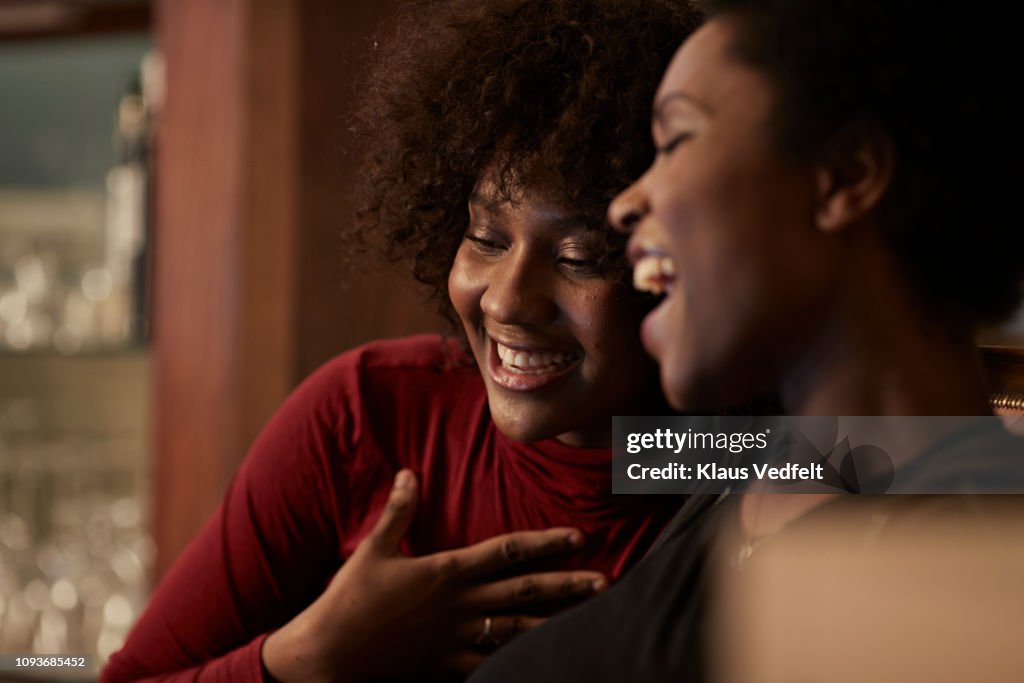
(533, 362)
(654, 273)
(523, 368)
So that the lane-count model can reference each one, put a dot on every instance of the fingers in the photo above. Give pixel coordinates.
(534, 589)
(397, 516)
(498, 553)
(487, 633)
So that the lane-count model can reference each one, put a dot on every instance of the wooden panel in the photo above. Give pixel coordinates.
(222, 328)
(253, 169)
(340, 305)
(268, 231)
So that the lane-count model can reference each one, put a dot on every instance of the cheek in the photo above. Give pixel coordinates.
(727, 223)
(613, 334)
(590, 314)
(719, 242)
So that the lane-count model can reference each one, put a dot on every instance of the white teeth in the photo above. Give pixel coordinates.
(654, 273)
(533, 363)
(668, 267)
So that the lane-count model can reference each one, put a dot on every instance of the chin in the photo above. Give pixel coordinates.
(688, 391)
(677, 383)
(518, 431)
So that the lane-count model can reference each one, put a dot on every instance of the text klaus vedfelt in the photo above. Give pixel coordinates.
(733, 442)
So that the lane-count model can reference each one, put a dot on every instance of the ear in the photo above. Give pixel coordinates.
(853, 176)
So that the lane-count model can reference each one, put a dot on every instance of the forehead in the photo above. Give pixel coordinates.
(532, 209)
(529, 191)
(705, 68)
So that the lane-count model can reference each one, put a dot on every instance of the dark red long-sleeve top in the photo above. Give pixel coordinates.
(316, 479)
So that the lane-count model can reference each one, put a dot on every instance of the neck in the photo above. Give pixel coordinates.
(878, 354)
(874, 354)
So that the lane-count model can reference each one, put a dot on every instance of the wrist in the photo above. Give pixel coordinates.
(295, 653)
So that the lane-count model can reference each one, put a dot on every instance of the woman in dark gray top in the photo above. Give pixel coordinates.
(825, 219)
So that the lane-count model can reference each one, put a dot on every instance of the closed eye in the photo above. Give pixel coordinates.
(674, 142)
(578, 255)
(581, 267)
(484, 243)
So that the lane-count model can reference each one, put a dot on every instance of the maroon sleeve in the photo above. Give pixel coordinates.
(268, 551)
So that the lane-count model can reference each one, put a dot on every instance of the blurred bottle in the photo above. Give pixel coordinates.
(123, 278)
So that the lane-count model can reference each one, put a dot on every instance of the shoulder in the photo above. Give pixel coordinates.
(392, 363)
(348, 385)
(364, 409)
(390, 382)
(428, 353)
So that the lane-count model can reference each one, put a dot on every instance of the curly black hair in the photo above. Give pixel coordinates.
(934, 79)
(465, 86)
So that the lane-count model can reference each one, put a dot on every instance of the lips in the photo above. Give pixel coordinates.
(523, 367)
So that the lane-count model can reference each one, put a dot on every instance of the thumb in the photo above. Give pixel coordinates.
(397, 515)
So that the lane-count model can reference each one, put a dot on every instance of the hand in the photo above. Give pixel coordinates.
(385, 614)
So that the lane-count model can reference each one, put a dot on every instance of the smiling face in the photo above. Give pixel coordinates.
(726, 226)
(556, 342)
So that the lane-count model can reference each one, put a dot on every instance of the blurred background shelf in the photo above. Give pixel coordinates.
(173, 179)
(75, 378)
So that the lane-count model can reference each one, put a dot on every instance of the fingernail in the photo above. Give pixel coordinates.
(599, 585)
(574, 539)
(403, 480)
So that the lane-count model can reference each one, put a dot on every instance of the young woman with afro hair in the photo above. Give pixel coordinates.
(417, 503)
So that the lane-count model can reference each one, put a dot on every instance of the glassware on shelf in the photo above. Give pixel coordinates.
(73, 261)
(74, 550)
(74, 546)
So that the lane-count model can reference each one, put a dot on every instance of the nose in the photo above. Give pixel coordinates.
(628, 208)
(521, 290)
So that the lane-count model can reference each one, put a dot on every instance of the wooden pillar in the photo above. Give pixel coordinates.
(224, 332)
(253, 169)
(342, 303)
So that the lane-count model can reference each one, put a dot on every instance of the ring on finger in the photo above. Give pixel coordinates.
(487, 637)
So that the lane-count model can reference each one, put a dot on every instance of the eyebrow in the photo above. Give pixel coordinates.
(661, 104)
(561, 223)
